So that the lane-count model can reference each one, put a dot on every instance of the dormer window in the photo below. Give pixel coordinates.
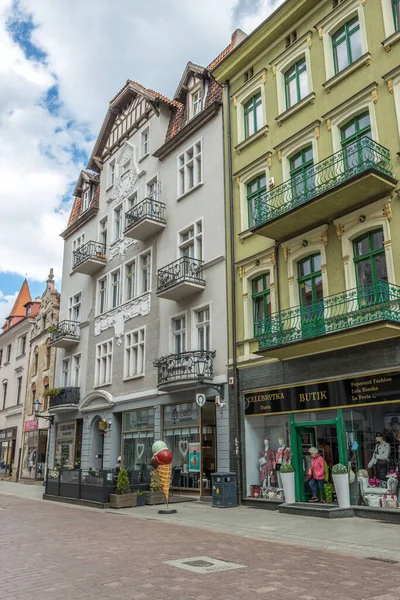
(86, 199)
(195, 102)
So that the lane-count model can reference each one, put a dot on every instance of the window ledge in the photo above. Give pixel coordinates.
(133, 377)
(392, 39)
(309, 99)
(243, 235)
(189, 191)
(261, 132)
(143, 157)
(110, 187)
(365, 59)
(101, 385)
(20, 356)
(6, 363)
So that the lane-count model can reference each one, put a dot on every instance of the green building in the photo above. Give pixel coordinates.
(312, 122)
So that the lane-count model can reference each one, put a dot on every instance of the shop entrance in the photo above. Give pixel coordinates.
(326, 435)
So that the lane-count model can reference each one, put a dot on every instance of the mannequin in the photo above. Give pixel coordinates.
(380, 458)
(283, 456)
(267, 465)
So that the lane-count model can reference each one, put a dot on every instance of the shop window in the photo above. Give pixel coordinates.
(137, 441)
(370, 261)
(261, 297)
(256, 198)
(296, 83)
(302, 175)
(253, 115)
(347, 45)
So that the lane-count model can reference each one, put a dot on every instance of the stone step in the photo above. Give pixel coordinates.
(323, 511)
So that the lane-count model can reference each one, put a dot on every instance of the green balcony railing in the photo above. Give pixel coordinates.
(359, 306)
(355, 159)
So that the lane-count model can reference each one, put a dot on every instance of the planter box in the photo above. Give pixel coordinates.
(154, 497)
(140, 500)
(122, 500)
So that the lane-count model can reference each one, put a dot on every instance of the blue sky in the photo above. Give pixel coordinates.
(60, 64)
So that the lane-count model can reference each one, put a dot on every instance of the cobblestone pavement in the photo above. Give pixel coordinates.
(58, 552)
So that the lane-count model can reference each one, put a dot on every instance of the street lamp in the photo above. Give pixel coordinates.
(36, 411)
(200, 369)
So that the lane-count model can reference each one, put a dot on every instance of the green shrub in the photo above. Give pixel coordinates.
(286, 468)
(155, 483)
(123, 482)
(339, 469)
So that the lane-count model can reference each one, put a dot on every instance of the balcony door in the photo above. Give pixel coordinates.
(311, 296)
(371, 269)
(302, 175)
(357, 151)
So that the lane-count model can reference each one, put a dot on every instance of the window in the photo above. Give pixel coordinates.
(134, 353)
(76, 374)
(33, 397)
(145, 142)
(35, 360)
(22, 344)
(347, 45)
(179, 335)
(145, 268)
(8, 353)
(102, 295)
(74, 307)
(202, 322)
(311, 295)
(190, 168)
(130, 271)
(396, 14)
(103, 363)
(19, 389)
(369, 259)
(261, 296)
(354, 143)
(46, 386)
(117, 223)
(131, 202)
(253, 118)
(76, 244)
(296, 83)
(5, 385)
(111, 173)
(302, 174)
(103, 231)
(115, 288)
(86, 199)
(191, 241)
(48, 354)
(256, 196)
(152, 189)
(195, 103)
(65, 372)
(1, 357)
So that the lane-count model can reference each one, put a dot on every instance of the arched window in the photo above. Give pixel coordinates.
(48, 354)
(33, 395)
(35, 360)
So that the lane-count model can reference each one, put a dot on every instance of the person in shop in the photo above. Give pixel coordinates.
(316, 474)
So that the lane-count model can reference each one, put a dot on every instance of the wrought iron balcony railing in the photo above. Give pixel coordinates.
(146, 209)
(90, 250)
(359, 306)
(357, 158)
(68, 396)
(185, 269)
(183, 366)
(70, 329)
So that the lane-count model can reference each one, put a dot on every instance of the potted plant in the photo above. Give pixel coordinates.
(52, 329)
(140, 498)
(340, 476)
(123, 498)
(287, 476)
(53, 392)
(155, 495)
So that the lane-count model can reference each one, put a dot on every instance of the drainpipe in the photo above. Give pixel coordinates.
(233, 287)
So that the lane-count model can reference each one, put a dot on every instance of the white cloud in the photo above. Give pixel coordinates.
(253, 20)
(6, 304)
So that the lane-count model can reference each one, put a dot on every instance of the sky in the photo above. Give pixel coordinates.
(61, 62)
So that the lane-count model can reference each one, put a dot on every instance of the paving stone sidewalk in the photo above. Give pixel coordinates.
(58, 552)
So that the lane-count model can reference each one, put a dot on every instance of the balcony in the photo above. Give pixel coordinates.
(145, 219)
(89, 258)
(176, 371)
(67, 399)
(180, 279)
(66, 335)
(359, 316)
(337, 185)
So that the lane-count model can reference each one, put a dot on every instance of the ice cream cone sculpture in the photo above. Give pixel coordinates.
(162, 462)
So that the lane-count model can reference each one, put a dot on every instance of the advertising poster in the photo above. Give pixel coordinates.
(194, 457)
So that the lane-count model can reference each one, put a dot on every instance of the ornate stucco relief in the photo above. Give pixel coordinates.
(125, 181)
(120, 247)
(118, 316)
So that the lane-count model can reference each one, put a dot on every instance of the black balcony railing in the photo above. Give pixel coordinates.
(70, 329)
(67, 396)
(146, 209)
(185, 269)
(184, 366)
(90, 250)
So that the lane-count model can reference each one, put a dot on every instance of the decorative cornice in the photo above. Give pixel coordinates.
(118, 316)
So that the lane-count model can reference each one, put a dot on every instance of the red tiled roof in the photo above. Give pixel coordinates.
(148, 90)
(221, 56)
(76, 207)
(18, 312)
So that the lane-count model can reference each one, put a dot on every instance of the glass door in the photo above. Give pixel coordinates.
(357, 151)
(208, 446)
(311, 296)
(302, 176)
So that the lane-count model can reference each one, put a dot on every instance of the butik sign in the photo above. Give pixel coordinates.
(381, 387)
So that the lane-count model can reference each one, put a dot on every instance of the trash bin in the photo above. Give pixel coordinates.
(224, 492)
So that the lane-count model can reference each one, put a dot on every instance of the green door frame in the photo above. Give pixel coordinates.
(296, 449)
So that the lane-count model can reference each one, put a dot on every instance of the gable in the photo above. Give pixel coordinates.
(131, 114)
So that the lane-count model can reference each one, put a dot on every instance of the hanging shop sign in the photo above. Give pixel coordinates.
(380, 387)
(194, 457)
(31, 425)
